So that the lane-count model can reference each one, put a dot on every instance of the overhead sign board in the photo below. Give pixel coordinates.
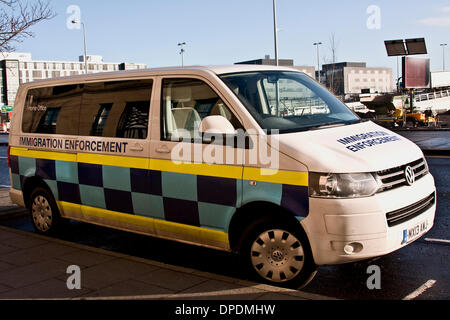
(416, 46)
(406, 47)
(416, 73)
(395, 48)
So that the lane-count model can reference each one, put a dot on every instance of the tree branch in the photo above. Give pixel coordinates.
(17, 18)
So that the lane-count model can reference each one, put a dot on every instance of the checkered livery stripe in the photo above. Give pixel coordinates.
(136, 188)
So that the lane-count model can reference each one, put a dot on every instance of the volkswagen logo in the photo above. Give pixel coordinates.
(410, 176)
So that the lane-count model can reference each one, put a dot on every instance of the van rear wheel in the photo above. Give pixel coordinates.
(45, 215)
(278, 255)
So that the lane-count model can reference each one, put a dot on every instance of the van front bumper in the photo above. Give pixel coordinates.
(348, 230)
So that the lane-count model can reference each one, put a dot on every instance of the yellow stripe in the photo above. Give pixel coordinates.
(222, 171)
(45, 155)
(276, 176)
(181, 229)
(114, 161)
(200, 169)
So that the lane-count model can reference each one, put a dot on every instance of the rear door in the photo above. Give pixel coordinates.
(114, 146)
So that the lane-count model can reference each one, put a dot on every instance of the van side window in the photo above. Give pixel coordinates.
(118, 109)
(100, 120)
(133, 123)
(185, 103)
(52, 110)
(48, 121)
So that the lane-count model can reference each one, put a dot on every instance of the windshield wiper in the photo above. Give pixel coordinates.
(334, 124)
(327, 125)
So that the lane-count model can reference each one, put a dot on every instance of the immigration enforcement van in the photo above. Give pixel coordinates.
(257, 160)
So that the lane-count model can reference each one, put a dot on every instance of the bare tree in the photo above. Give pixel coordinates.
(333, 46)
(17, 18)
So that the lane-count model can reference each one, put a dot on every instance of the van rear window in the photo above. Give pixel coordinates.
(118, 109)
(52, 110)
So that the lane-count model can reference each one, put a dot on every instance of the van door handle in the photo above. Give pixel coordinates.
(163, 149)
(137, 148)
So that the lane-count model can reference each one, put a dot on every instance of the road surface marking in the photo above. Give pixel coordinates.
(437, 240)
(429, 284)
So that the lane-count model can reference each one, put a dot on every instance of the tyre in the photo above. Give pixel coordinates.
(411, 123)
(278, 254)
(45, 214)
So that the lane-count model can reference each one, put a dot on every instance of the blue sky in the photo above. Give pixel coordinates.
(227, 31)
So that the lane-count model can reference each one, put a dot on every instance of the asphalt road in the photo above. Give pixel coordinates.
(402, 272)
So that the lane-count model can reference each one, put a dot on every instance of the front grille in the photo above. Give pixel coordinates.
(410, 212)
(395, 177)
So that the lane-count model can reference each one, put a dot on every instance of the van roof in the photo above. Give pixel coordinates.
(218, 70)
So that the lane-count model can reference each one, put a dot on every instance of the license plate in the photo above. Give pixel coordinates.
(414, 233)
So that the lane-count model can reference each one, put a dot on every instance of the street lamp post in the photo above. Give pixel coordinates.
(317, 44)
(443, 45)
(182, 52)
(85, 47)
(275, 27)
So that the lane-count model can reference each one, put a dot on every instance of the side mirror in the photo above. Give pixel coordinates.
(218, 130)
(215, 125)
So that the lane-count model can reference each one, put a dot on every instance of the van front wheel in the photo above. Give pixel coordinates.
(279, 256)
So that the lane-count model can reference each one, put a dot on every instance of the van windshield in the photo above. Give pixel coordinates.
(288, 101)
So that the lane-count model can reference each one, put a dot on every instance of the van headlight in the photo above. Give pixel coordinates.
(348, 185)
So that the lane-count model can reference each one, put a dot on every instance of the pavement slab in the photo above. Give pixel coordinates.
(220, 290)
(31, 255)
(47, 289)
(131, 288)
(85, 258)
(171, 280)
(32, 274)
(111, 272)
(6, 266)
(23, 242)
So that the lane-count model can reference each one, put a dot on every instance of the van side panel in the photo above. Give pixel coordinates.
(130, 198)
(122, 194)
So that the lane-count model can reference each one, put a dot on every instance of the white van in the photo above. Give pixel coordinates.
(257, 160)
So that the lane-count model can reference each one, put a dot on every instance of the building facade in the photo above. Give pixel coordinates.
(354, 78)
(18, 68)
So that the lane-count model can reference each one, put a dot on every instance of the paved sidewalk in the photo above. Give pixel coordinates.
(7, 208)
(35, 267)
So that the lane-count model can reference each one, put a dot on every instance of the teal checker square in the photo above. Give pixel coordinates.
(15, 181)
(179, 186)
(148, 205)
(53, 185)
(67, 172)
(27, 167)
(215, 216)
(92, 196)
(116, 178)
(262, 191)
